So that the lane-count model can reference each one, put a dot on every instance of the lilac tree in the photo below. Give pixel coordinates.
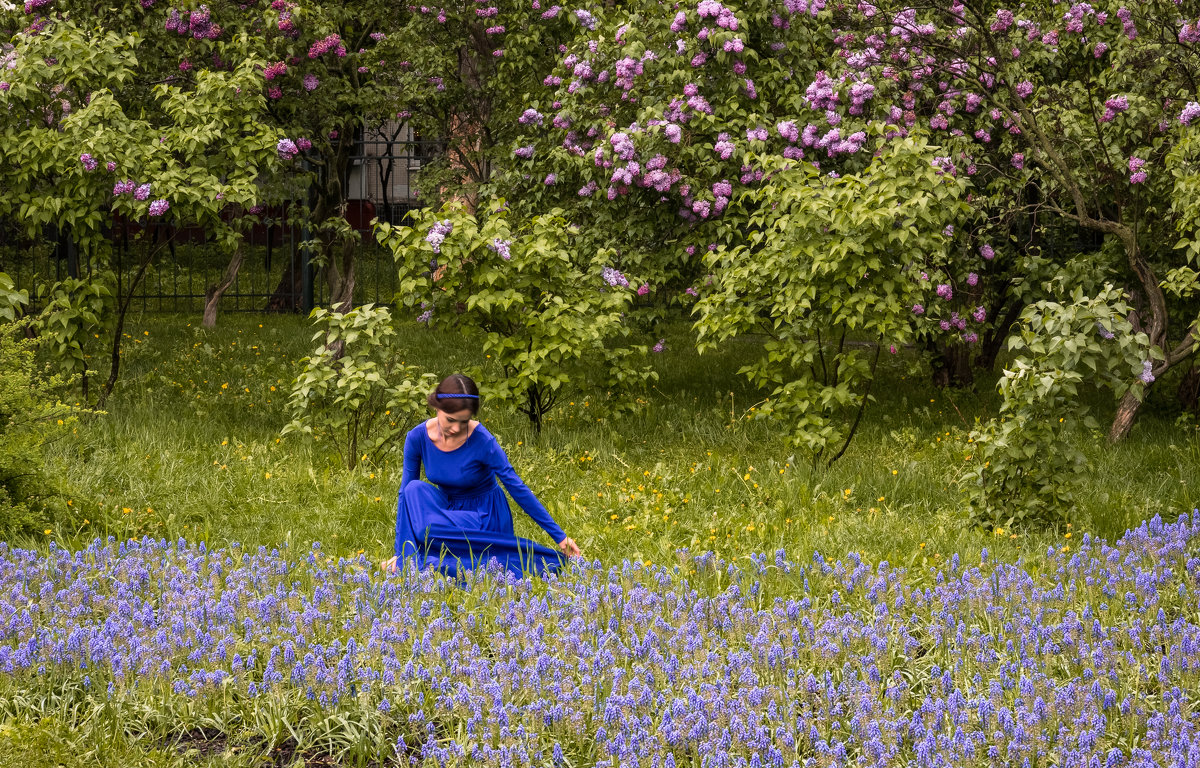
(1063, 113)
(90, 128)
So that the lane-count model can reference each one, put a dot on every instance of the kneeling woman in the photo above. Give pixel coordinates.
(461, 518)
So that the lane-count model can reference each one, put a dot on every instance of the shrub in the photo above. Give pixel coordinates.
(30, 415)
(352, 391)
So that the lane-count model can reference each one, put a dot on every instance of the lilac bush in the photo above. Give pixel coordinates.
(1080, 657)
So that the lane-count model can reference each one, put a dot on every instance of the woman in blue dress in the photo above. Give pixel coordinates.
(460, 518)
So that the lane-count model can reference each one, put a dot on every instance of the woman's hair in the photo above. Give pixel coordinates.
(451, 386)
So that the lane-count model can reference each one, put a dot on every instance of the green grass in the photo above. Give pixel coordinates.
(190, 447)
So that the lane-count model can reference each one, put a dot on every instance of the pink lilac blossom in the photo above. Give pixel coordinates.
(987, 252)
(287, 149)
(972, 279)
(1189, 113)
(724, 147)
(142, 192)
(980, 314)
(1113, 107)
(944, 291)
(159, 207)
(272, 71)
(1024, 89)
(311, 82)
(660, 345)
(89, 162)
(110, 166)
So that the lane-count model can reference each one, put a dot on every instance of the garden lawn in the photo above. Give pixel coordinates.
(708, 542)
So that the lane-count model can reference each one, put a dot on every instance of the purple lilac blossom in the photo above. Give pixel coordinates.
(614, 278)
(438, 233)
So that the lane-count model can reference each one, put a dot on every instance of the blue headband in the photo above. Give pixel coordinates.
(444, 395)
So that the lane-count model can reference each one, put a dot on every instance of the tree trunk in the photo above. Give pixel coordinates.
(212, 296)
(952, 366)
(1123, 421)
(286, 296)
(126, 300)
(993, 341)
(341, 279)
(1188, 393)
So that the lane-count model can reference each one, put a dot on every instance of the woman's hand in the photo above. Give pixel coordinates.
(569, 547)
(389, 565)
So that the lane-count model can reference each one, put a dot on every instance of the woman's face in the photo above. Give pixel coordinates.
(454, 424)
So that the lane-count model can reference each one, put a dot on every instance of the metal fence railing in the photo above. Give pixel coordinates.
(275, 274)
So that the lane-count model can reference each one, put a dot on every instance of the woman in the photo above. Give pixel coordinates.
(464, 519)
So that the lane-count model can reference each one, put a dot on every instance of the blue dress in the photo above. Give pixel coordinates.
(463, 519)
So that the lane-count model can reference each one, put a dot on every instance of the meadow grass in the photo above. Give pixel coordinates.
(190, 447)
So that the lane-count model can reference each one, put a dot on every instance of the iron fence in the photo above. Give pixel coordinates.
(275, 274)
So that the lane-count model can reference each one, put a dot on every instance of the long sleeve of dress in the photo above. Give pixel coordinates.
(412, 459)
(520, 492)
